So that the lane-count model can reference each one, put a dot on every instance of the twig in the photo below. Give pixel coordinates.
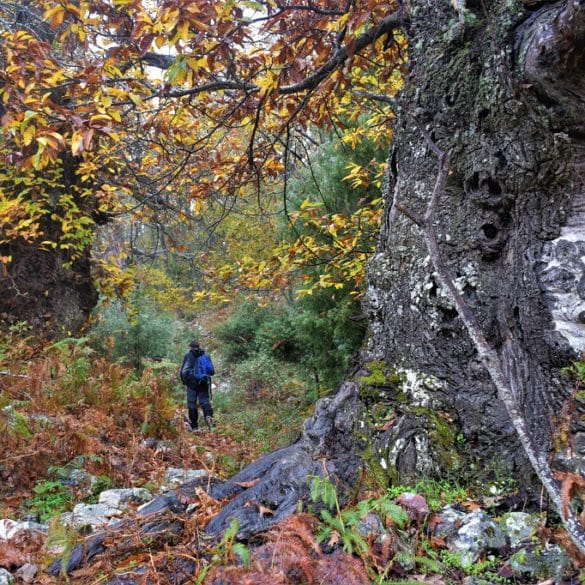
(7, 373)
(378, 97)
(502, 377)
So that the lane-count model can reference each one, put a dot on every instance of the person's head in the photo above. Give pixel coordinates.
(194, 344)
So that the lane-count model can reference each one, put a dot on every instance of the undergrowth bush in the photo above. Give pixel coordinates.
(265, 404)
(315, 338)
(51, 498)
(237, 334)
(131, 333)
(66, 403)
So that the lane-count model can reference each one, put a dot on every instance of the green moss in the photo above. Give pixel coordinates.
(442, 436)
(381, 477)
(381, 380)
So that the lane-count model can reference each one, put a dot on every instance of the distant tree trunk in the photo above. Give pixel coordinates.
(50, 289)
(45, 290)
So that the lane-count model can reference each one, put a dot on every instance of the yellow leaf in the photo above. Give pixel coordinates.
(76, 143)
(115, 115)
(28, 135)
(136, 99)
(268, 84)
(183, 30)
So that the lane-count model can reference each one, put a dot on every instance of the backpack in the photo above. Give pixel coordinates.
(182, 377)
(202, 368)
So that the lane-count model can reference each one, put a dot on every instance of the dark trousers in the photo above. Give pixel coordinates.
(199, 393)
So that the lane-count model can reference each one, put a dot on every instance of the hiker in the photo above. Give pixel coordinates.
(196, 373)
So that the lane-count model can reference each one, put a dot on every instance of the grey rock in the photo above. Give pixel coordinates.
(370, 526)
(175, 476)
(122, 498)
(405, 553)
(5, 577)
(581, 287)
(89, 516)
(449, 520)
(27, 572)
(542, 562)
(83, 478)
(566, 252)
(478, 533)
(163, 447)
(10, 528)
(520, 527)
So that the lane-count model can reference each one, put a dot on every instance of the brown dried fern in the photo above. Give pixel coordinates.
(341, 569)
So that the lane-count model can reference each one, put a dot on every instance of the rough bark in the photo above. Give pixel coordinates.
(42, 289)
(49, 289)
(509, 229)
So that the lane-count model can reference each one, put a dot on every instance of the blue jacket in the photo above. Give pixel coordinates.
(197, 367)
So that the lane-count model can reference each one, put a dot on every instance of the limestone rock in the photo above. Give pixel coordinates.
(520, 527)
(370, 526)
(449, 520)
(121, 498)
(542, 562)
(10, 528)
(28, 572)
(87, 517)
(478, 533)
(176, 476)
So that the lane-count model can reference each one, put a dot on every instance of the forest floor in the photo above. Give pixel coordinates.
(66, 417)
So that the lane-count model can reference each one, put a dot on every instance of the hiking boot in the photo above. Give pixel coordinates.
(210, 422)
(194, 430)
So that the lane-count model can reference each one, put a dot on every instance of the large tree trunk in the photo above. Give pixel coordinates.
(510, 228)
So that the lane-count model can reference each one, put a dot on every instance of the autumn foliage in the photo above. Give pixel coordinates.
(161, 111)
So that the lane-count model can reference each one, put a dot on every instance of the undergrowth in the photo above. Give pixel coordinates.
(64, 408)
(264, 406)
(66, 411)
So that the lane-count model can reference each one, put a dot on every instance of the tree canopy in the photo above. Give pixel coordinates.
(160, 110)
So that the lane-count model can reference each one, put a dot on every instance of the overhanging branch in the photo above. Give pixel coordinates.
(386, 26)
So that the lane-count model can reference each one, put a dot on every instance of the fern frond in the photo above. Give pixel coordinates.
(430, 565)
(341, 569)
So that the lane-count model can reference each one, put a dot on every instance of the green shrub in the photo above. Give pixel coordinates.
(237, 334)
(150, 333)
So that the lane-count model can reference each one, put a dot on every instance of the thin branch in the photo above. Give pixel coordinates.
(385, 26)
(502, 377)
(378, 97)
(157, 60)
